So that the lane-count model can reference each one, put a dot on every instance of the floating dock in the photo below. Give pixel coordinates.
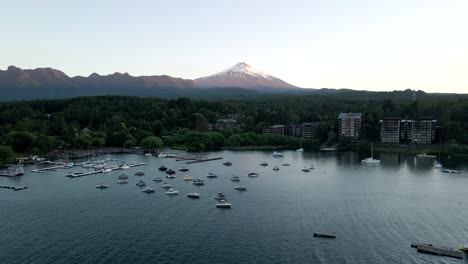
(51, 168)
(14, 188)
(202, 160)
(83, 174)
(325, 235)
(437, 250)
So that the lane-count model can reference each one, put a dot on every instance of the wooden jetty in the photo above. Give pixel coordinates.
(14, 188)
(437, 250)
(203, 160)
(325, 235)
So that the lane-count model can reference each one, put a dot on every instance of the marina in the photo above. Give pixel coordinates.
(286, 197)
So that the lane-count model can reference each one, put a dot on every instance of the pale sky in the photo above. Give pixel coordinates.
(362, 44)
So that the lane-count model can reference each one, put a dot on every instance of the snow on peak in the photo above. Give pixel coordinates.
(244, 68)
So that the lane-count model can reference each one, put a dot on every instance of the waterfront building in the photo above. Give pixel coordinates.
(416, 131)
(303, 130)
(349, 127)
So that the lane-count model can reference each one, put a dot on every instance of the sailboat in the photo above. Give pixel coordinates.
(371, 159)
(438, 165)
(300, 149)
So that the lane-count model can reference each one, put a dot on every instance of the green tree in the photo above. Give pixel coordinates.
(151, 142)
(6, 154)
(21, 141)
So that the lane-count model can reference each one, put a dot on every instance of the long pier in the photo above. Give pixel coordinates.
(14, 188)
(83, 174)
(202, 160)
(438, 250)
(51, 168)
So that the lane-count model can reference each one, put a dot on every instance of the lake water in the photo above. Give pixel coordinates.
(376, 211)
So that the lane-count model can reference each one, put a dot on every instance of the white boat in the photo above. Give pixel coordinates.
(193, 195)
(276, 168)
(450, 171)
(148, 190)
(371, 159)
(166, 186)
(124, 167)
(300, 150)
(235, 178)
(170, 176)
(102, 186)
(253, 174)
(122, 181)
(141, 184)
(106, 170)
(187, 178)
(223, 204)
(158, 180)
(220, 196)
(211, 175)
(241, 188)
(172, 192)
(437, 165)
(424, 155)
(122, 177)
(198, 182)
(277, 155)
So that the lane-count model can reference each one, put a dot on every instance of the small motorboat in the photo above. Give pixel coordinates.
(106, 170)
(194, 195)
(264, 164)
(325, 235)
(437, 165)
(305, 169)
(148, 190)
(235, 179)
(122, 177)
(211, 175)
(170, 172)
(184, 169)
(102, 186)
(227, 163)
(223, 204)
(170, 176)
(277, 155)
(158, 180)
(187, 178)
(124, 167)
(166, 186)
(162, 168)
(141, 184)
(450, 171)
(312, 167)
(172, 192)
(276, 168)
(240, 188)
(198, 182)
(139, 173)
(124, 181)
(253, 174)
(286, 164)
(300, 150)
(220, 196)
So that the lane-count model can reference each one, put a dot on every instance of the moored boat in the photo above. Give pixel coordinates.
(194, 195)
(172, 192)
(223, 204)
(241, 188)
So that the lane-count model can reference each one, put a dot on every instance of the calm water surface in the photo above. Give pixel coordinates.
(377, 211)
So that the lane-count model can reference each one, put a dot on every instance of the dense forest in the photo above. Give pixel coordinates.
(40, 126)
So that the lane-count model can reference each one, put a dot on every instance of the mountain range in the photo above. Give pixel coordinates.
(41, 83)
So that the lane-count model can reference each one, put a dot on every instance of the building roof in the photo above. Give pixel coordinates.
(349, 115)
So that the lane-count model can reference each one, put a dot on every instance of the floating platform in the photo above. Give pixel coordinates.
(83, 174)
(14, 188)
(436, 250)
(203, 160)
(325, 235)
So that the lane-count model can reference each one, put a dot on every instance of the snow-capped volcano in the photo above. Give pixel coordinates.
(244, 76)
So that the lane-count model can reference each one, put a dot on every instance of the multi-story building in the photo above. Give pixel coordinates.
(303, 130)
(390, 130)
(418, 131)
(349, 127)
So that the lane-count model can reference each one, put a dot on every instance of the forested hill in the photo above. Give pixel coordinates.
(42, 125)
